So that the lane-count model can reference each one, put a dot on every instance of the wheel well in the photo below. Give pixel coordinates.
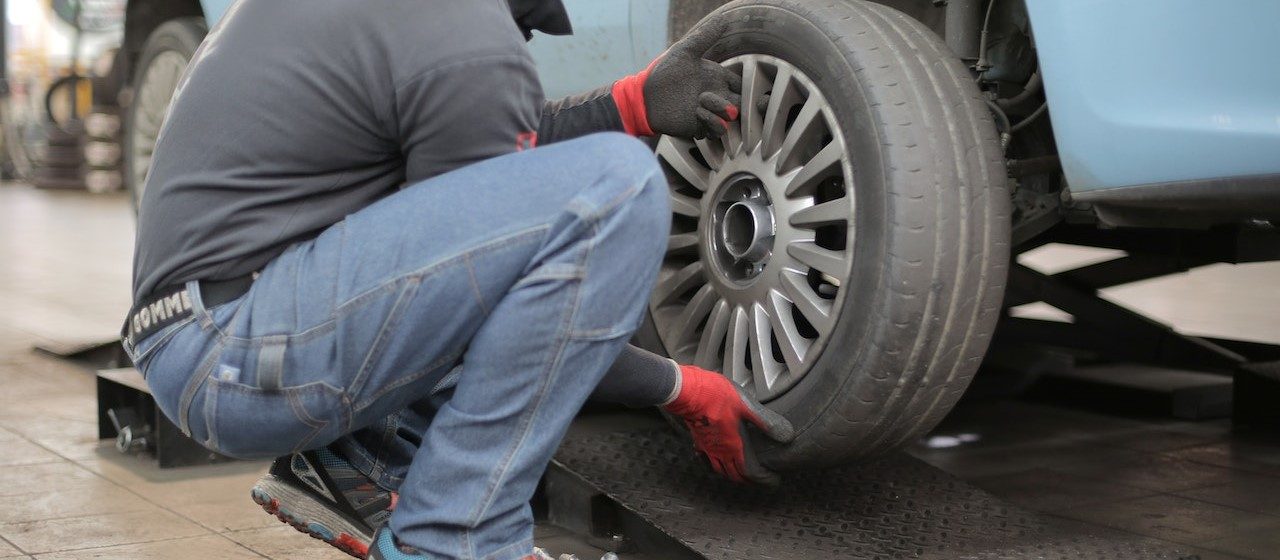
(143, 17)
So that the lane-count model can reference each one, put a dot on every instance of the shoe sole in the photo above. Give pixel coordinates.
(308, 515)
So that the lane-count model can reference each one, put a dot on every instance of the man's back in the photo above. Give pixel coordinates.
(295, 113)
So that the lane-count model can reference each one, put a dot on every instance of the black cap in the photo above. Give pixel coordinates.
(547, 16)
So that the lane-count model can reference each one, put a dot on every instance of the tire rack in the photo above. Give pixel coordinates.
(1107, 333)
(62, 166)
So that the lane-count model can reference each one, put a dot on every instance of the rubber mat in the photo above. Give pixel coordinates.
(897, 507)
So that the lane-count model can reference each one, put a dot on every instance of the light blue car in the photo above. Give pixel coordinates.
(843, 251)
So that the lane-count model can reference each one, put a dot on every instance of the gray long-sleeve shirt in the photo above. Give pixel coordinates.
(296, 113)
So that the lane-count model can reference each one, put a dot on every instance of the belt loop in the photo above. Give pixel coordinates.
(197, 305)
(271, 362)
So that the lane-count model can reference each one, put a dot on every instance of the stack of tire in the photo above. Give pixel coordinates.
(102, 152)
(63, 164)
(83, 153)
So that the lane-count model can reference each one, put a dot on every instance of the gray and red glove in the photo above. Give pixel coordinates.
(681, 93)
(714, 409)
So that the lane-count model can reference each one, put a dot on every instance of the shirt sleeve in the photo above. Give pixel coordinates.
(467, 111)
(579, 115)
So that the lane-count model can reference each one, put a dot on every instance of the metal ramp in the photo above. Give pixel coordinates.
(642, 492)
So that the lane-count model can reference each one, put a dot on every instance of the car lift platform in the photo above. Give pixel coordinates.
(645, 493)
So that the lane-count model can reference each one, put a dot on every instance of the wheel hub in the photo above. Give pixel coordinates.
(743, 230)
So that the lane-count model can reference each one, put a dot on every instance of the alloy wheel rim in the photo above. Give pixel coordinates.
(762, 234)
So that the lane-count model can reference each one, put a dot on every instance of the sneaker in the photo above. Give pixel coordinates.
(322, 495)
(385, 547)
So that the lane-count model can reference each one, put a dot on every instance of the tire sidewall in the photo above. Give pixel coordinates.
(181, 35)
(849, 351)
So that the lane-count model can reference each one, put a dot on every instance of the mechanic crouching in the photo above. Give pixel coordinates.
(350, 253)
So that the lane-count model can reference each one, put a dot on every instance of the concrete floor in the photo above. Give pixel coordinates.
(65, 495)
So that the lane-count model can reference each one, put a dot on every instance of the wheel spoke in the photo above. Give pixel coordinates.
(676, 154)
(691, 318)
(793, 345)
(832, 212)
(753, 87)
(764, 369)
(735, 363)
(826, 261)
(731, 140)
(682, 242)
(711, 151)
(799, 129)
(775, 122)
(817, 167)
(813, 307)
(713, 337)
(685, 205)
(676, 285)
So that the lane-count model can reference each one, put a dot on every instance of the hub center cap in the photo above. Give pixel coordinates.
(743, 229)
(748, 230)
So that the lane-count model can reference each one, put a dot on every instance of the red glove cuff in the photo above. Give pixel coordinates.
(701, 390)
(628, 95)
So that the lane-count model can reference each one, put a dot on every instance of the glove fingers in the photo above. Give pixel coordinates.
(713, 126)
(757, 474)
(751, 467)
(762, 104)
(731, 471)
(723, 107)
(739, 471)
(733, 81)
(771, 423)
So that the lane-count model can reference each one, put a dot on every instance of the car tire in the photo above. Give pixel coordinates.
(914, 278)
(164, 58)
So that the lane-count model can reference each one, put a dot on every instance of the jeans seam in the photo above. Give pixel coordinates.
(441, 264)
(475, 286)
(301, 413)
(526, 419)
(388, 432)
(311, 333)
(341, 310)
(593, 216)
(168, 333)
(210, 404)
(408, 290)
(446, 359)
(193, 386)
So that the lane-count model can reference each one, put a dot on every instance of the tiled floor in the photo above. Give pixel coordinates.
(63, 495)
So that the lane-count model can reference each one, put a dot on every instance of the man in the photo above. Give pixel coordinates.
(347, 245)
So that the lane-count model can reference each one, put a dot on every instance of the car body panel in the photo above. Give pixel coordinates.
(1140, 92)
(1160, 91)
(612, 38)
(214, 9)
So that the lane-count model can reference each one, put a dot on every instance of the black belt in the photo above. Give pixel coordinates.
(169, 305)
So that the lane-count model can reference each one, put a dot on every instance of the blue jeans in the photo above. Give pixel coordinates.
(487, 302)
